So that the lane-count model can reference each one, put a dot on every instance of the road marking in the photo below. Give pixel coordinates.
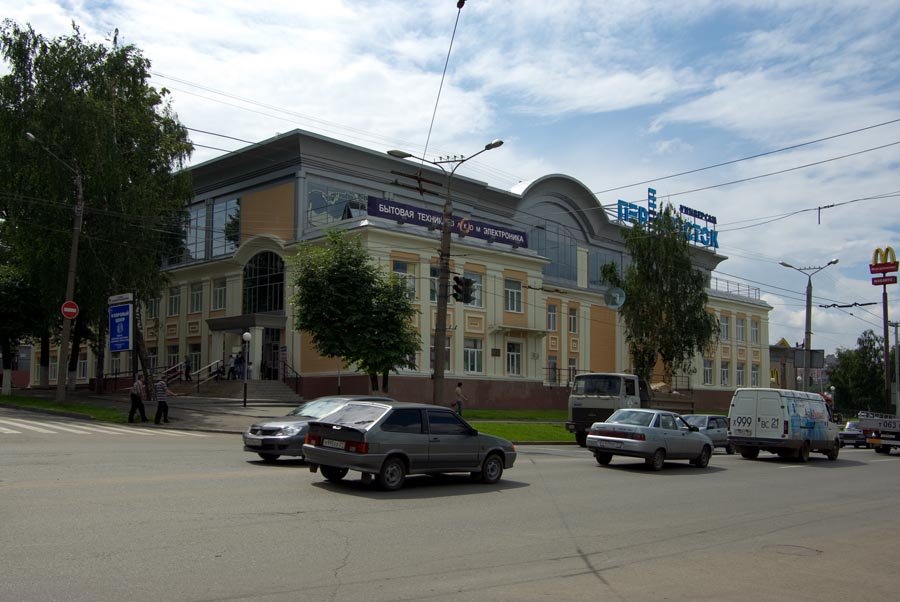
(9, 431)
(873, 461)
(20, 424)
(783, 467)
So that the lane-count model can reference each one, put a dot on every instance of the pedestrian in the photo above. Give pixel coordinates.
(460, 398)
(239, 365)
(137, 399)
(162, 408)
(249, 370)
(187, 367)
(231, 373)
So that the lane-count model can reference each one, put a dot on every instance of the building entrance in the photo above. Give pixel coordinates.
(270, 363)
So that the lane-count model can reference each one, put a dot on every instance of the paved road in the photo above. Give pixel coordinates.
(142, 515)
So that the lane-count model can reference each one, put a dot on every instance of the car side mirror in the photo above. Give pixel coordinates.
(693, 428)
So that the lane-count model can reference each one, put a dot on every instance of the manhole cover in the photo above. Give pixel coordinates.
(793, 550)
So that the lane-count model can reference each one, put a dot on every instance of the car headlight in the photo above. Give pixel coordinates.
(288, 431)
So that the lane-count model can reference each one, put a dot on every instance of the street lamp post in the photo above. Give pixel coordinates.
(440, 326)
(63, 356)
(246, 337)
(807, 339)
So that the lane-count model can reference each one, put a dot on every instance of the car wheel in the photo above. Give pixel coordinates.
(803, 452)
(492, 469)
(581, 438)
(729, 449)
(269, 457)
(333, 473)
(886, 449)
(832, 454)
(657, 460)
(750, 453)
(392, 475)
(603, 459)
(702, 461)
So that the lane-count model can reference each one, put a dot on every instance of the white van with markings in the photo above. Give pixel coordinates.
(787, 423)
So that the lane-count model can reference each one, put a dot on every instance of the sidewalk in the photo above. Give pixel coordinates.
(186, 412)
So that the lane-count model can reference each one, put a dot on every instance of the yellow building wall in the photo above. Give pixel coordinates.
(603, 339)
(268, 211)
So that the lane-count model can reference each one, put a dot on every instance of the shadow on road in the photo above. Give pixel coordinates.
(419, 486)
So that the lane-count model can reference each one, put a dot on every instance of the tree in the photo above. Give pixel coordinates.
(858, 375)
(19, 315)
(94, 113)
(351, 309)
(665, 299)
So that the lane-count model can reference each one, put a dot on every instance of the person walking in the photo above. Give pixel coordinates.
(460, 398)
(137, 399)
(187, 367)
(162, 407)
(231, 373)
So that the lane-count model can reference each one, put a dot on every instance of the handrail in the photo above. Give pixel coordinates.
(212, 373)
(172, 372)
(297, 377)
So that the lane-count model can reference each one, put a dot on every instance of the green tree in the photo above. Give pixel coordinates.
(19, 315)
(665, 298)
(93, 112)
(858, 375)
(351, 309)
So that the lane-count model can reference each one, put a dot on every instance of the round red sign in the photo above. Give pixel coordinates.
(69, 310)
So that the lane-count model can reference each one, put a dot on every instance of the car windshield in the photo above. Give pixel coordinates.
(852, 425)
(632, 417)
(317, 408)
(597, 384)
(358, 415)
(694, 420)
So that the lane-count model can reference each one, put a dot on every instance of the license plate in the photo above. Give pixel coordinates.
(612, 444)
(253, 443)
(333, 443)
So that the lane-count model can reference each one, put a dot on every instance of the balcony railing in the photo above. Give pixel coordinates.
(730, 286)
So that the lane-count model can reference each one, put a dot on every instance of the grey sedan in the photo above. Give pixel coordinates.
(713, 426)
(390, 440)
(654, 435)
(284, 436)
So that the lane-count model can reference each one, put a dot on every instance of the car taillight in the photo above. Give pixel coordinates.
(638, 436)
(312, 439)
(357, 447)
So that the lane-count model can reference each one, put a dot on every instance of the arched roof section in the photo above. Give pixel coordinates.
(565, 200)
(256, 244)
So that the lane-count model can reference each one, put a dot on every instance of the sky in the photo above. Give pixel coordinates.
(620, 95)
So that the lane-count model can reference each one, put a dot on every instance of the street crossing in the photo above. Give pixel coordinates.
(19, 426)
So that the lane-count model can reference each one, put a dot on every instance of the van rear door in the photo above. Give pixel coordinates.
(742, 414)
(770, 414)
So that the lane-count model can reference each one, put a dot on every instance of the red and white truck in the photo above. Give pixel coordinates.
(882, 431)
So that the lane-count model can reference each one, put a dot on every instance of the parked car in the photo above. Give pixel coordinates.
(713, 426)
(851, 434)
(284, 436)
(389, 440)
(654, 435)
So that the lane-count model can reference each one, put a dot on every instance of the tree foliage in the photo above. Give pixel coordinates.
(858, 375)
(351, 309)
(19, 316)
(665, 298)
(92, 110)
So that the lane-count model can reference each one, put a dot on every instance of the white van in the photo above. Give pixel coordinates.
(787, 423)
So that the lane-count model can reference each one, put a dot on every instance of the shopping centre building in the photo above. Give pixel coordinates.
(539, 313)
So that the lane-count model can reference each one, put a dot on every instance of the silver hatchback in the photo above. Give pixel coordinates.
(713, 426)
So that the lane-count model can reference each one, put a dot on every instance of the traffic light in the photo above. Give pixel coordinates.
(458, 288)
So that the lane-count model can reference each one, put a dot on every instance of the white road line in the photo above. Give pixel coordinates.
(124, 430)
(800, 466)
(873, 461)
(19, 424)
(7, 431)
(57, 425)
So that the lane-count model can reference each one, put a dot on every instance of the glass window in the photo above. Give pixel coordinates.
(195, 232)
(172, 357)
(707, 372)
(573, 320)
(174, 301)
(152, 358)
(360, 416)
(196, 299)
(573, 368)
(477, 281)
(555, 242)
(552, 368)
(739, 329)
(220, 287)
(754, 332)
(115, 362)
(754, 375)
(739, 374)
(194, 352)
(551, 317)
(403, 421)
(473, 355)
(434, 274)
(226, 226)
(667, 421)
(52, 369)
(407, 274)
(153, 308)
(724, 373)
(264, 284)
(445, 423)
(513, 295)
(724, 327)
(82, 365)
(328, 203)
(514, 358)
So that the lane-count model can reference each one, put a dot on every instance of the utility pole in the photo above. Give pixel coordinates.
(896, 367)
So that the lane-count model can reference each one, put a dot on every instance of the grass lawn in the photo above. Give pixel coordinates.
(513, 415)
(524, 431)
(86, 409)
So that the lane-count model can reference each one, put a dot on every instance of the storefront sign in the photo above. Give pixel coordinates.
(884, 261)
(120, 327)
(417, 216)
(703, 235)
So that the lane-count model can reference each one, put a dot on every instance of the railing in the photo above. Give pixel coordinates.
(214, 372)
(294, 381)
(173, 372)
(730, 286)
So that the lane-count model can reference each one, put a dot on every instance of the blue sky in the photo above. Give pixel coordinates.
(609, 92)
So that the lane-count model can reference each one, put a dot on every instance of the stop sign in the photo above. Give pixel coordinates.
(69, 310)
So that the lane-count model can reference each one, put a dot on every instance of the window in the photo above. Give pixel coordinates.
(403, 421)
(196, 298)
(739, 329)
(667, 421)
(445, 423)
(329, 203)
(551, 369)
(82, 366)
(724, 327)
(220, 287)
(172, 355)
(551, 317)
(754, 332)
(226, 226)
(264, 284)
(152, 357)
(407, 274)
(739, 374)
(513, 295)
(52, 370)
(477, 282)
(724, 370)
(115, 362)
(573, 368)
(434, 275)
(707, 372)
(446, 352)
(473, 355)
(514, 359)
(573, 320)
(754, 375)
(194, 353)
(195, 233)
(174, 301)
(153, 308)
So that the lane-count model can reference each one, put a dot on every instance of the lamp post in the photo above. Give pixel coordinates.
(63, 356)
(246, 337)
(807, 339)
(440, 326)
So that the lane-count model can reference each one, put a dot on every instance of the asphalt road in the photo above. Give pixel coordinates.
(142, 514)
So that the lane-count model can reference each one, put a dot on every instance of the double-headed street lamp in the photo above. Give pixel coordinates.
(62, 368)
(807, 340)
(440, 326)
